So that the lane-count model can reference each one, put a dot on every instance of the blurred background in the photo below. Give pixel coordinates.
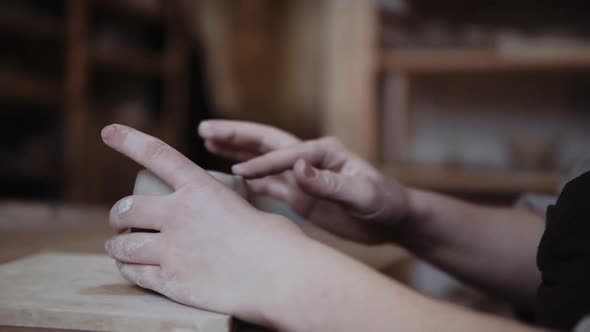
(485, 100)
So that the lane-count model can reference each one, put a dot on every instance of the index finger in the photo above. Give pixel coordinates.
(157, 156)
(250, 136)
(317, 152)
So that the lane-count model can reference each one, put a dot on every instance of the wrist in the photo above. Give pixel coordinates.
(410, 231)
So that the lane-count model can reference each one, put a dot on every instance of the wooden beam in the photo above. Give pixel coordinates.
(349, 78)
(76, 99)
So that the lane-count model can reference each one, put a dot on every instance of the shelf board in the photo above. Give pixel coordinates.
(456, 60)
(13, 176)
(19, 87)
(128, 61)
(127, 9)
(18, 171)
(475, 181)
(31, 25)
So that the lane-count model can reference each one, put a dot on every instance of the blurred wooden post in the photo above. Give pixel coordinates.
(76, 99)
(397, 101)
(176, 64)
(350, 75)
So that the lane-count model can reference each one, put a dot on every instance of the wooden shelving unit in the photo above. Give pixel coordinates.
(449, 61)
(45, 176)
(122, 8)
(406, 64)
(362, 76)
(403, 66)
(128, 61)
(86, 163)
(36, 90)
(144, 64)
(32, 25)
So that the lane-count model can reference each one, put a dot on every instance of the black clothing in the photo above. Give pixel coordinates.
(563, 258)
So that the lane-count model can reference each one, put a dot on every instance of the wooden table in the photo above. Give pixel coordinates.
(28, 228)
(85, 292)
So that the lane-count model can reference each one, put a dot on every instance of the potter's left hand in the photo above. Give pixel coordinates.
(320, 179)
(213, 250)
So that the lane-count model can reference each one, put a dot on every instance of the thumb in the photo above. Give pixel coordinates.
(357, 193)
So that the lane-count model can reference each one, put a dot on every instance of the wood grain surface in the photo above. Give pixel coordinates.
(86, 292)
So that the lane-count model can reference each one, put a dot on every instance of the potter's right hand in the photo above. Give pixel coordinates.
(319, 179)
(212, 250)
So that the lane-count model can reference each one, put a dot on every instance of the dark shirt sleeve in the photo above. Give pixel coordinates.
(563, 298)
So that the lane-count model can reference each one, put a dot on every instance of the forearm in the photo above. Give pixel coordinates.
(327, 291)
(492, 248)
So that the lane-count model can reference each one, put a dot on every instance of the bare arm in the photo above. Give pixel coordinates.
(493, 248)
(336, 293)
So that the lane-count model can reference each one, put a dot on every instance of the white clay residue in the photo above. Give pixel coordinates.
(129, 247)
(125, 204)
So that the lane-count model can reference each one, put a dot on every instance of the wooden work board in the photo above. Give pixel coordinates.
(86, 293)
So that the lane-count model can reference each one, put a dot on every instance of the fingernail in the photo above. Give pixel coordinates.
(309, 171)
(206, 129)
(237, 169)
(125, 205)
(107, 132)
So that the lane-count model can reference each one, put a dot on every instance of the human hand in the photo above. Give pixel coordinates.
(319, 179)
(212, 249)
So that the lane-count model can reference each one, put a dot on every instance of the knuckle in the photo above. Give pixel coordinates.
(331, 142)
(156, 149)
(232, 137)
(331, 185)
(373, 197)
(313, 149)
(116, 247)
(126, 270)
(170, 272)
(332, 152)
(280, 138)
(142, 281)
(172, 276)
(127, 248)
